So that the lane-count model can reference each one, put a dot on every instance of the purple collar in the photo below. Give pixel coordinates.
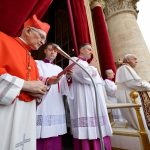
(82, 58)
(109, 79)
(47, 61)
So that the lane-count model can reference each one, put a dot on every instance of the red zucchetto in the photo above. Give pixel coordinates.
(36, 23)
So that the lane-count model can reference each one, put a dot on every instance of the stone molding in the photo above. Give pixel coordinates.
(113, 7)
(95, 3)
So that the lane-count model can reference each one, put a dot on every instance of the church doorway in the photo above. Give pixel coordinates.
(60, 33)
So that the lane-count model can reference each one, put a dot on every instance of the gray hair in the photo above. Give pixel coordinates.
(127, 57)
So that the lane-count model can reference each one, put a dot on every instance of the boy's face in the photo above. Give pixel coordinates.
(50, 52)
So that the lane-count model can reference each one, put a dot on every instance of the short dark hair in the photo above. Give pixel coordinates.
(51, 43)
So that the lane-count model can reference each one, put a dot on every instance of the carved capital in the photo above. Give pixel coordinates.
(95, 3)
(112, 7)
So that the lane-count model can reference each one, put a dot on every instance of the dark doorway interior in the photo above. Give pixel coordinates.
(58, 18)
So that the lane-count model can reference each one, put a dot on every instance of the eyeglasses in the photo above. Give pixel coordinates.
(42, 36)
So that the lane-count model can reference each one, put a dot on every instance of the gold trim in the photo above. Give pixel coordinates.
(126, 134)
(110, 115)
(97, 3)
(143, 134)
(115, 148)
(140, 133)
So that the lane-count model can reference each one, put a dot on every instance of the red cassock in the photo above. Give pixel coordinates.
(16, 59)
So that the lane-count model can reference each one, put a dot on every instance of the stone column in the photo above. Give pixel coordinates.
(125, 35)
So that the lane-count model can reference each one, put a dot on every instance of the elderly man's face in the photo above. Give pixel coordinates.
(86, 51)
(50, 52)
(35, 38)
(132, 61)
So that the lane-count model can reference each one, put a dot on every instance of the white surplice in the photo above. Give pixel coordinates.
(111, 89)
(82, 104)
(51, 119)
(17, 120)
(128, 80)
